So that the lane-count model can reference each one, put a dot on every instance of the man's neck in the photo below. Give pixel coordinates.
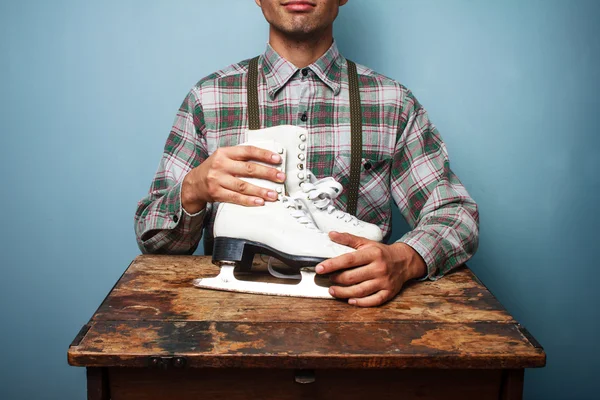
(301, 53)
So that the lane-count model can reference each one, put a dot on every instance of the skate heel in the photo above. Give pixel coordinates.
(230, 250)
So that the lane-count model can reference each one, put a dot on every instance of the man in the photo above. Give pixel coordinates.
(303, 81)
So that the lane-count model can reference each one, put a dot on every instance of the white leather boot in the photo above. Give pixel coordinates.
(282, 229)
(316, 194)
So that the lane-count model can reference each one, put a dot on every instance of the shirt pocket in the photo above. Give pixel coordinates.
(374, 188)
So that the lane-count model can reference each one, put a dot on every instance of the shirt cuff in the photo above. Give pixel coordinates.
(425, 244)
(175, 220)
(189, 221)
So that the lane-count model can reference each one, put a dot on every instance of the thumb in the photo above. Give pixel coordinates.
(348, 239)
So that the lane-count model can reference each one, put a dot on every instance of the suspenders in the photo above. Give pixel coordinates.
(355, 124)
(355, 130)
(252, 95)
(356, 138)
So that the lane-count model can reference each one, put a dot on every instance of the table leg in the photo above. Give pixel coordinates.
(512, 384)
(97, 384)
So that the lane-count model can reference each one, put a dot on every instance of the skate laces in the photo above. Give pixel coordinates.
(297, 211)
(322, 192)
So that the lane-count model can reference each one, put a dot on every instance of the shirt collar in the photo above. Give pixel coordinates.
(278, 71)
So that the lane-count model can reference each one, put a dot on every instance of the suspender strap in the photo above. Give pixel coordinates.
(355, 124)
(252, 93)
(356, 137)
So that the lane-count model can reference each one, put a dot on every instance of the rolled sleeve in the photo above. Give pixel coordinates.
(161, 224)
(167, 228)
(431, 198)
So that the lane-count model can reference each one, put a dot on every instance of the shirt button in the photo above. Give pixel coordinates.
(175, 218)
(367, 166)
(305, 72)
(304, 117)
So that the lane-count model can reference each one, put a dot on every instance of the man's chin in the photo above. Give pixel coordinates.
(300, 33)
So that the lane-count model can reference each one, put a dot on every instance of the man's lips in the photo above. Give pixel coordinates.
(298, 6)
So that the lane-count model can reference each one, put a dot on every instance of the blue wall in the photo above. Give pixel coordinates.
(88, 91)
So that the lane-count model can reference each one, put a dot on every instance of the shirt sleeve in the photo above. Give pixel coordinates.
(161, 224)
(444, 218)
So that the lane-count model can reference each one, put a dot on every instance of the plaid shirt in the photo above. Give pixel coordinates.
(403, 155)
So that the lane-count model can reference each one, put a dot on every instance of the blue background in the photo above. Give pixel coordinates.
(88, 91)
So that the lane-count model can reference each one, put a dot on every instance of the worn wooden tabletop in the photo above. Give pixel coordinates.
(154, 310)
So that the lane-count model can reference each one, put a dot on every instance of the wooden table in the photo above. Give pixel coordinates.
(156, 336)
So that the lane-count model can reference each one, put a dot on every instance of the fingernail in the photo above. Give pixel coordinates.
(352, 301)
(281, 176)
(331, 291)
(259, 202)
(276, 158)
(272, 195)
(319, 269)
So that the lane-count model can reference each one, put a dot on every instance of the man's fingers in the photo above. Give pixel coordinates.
(247, 189)
(360, 290)
(246, 153)
(348, 239)
(254, 170)
(348, 260)
(376, 299)
(353, 276)
(229, 196)
(365, 294)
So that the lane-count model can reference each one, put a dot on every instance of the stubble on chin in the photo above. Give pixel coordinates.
(298, 29)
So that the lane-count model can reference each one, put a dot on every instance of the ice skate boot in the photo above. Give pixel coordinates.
(282, 229)
(317, 195)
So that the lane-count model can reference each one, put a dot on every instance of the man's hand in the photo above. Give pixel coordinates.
(217, 178)
(374, 273)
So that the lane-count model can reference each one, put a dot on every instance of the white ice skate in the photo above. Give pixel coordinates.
(282, 229)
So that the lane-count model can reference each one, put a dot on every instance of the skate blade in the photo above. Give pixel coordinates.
(226, 281)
